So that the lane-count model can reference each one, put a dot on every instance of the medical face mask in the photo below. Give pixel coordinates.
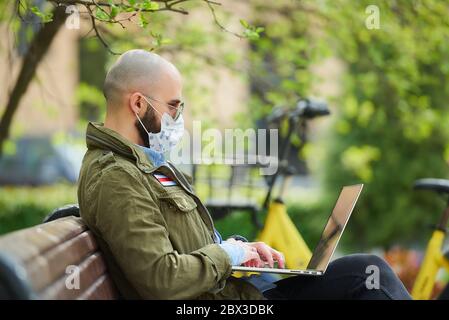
(169, 136)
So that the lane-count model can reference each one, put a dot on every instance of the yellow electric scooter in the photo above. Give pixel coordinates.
(434, 258)
(279, 231)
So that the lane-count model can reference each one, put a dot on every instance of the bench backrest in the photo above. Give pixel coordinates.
(42, 263)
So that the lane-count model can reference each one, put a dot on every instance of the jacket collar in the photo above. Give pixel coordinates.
(100, 137)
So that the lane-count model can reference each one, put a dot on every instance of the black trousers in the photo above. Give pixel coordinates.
(349, 277)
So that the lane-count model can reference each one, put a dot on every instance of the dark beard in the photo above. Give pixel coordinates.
(150, 122)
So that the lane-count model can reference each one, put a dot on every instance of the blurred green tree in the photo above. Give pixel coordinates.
(391, 126)
(390, 122)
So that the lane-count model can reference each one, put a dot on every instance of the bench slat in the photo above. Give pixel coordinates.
(102, 289)
(47, 268)
(92, 268)
(36, 240)
(37, 259)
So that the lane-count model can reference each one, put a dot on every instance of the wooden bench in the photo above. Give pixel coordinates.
(37, 263)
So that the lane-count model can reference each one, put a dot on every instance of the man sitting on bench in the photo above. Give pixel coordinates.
(158, 239)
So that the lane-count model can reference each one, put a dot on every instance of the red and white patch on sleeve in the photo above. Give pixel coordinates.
(164, 180)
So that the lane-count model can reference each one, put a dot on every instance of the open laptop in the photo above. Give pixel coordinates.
(329, 239)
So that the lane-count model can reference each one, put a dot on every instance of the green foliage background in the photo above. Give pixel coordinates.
(392, 119)
(389, 124)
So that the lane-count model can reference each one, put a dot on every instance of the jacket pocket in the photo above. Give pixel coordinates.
(180, 202)
(187, 231)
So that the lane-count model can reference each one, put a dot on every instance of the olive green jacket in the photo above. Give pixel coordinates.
(158, 240)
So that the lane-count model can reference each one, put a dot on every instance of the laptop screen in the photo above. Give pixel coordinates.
(334, 227)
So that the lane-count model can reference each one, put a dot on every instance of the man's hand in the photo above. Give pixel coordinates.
(268, 254)
(250, 253)
(258, 254)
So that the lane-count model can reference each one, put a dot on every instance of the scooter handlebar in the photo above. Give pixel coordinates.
(305, 108)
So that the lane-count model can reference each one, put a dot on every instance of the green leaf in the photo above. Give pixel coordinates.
(101, 14)
(244, 23)
(36, 11)
(143, 21)
(114, 11)
(251, 34)
(45, 17)
(149, 5)
(166, 41)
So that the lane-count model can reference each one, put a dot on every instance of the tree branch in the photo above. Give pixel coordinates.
(168, 4)
(218, 23)
(98, 34)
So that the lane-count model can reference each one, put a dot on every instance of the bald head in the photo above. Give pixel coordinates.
(137, 71)
(139, 88)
